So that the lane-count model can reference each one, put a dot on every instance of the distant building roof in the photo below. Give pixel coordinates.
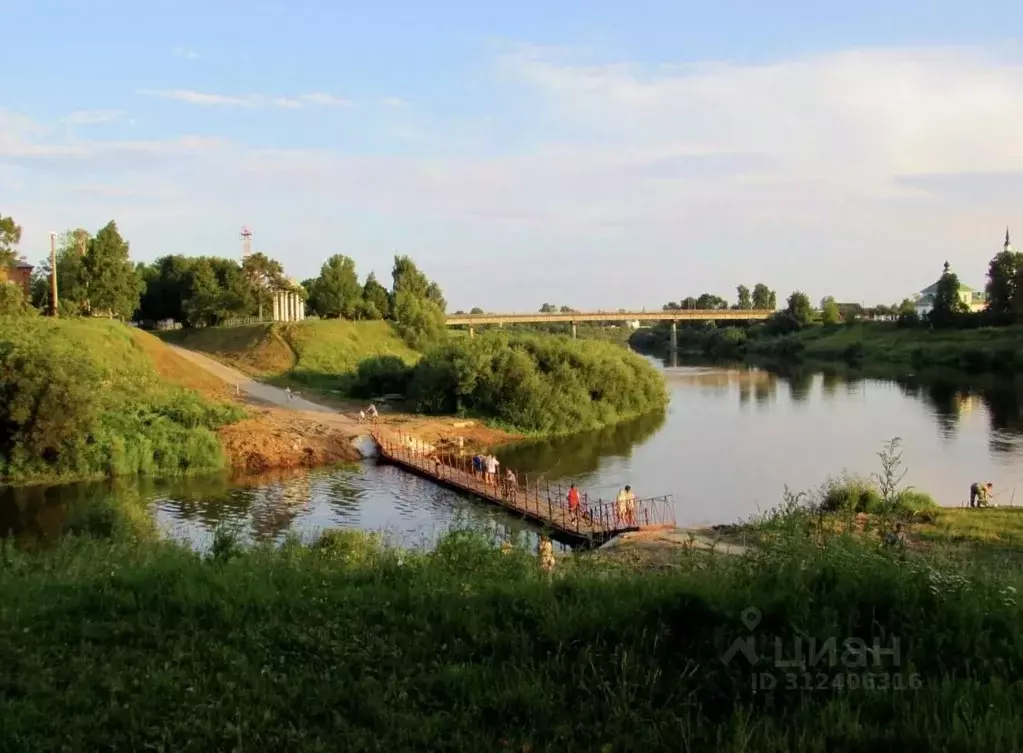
(933, 288)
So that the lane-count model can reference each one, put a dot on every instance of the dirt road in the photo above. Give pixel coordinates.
(264, 393)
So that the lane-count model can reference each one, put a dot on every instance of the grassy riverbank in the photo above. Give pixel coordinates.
(987, 349)
(349, 646)
(321, 355)
(91, 399)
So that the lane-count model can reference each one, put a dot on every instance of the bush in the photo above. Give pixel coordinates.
(854, 494)
(540, 384)
(381, 375)
(77, 401)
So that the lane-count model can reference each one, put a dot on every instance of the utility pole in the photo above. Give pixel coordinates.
(53, 275)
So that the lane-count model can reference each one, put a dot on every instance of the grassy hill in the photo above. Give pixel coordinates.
(89, 399)
(323, 355)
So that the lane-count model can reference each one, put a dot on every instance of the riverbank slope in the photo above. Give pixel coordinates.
(864, 344)
(88, 399)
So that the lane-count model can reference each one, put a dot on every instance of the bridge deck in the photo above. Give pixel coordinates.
(675, 315)
(537, 501)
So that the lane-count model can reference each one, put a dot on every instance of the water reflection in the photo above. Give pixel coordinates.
(580, 455)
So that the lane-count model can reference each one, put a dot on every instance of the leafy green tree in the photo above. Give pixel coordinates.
(113, 282)
(336, 292)
(375, 299)
(203, 306)
(745, 299)
(711, 302)
(947, 306)
(1004, 295)
(830, 313)
(10, 237)
(905, 313)
(407, 278)
(798, 306)
(420, 321)
(263, 276)
(764, 297)
(13, 302)
(477, 310)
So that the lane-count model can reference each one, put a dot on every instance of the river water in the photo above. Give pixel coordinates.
(730, 442)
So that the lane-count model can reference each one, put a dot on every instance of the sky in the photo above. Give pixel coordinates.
(596, 154)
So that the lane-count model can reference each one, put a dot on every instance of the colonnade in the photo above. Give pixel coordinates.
(288, 306)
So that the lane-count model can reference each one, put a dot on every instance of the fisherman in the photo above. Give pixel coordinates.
(980, 494)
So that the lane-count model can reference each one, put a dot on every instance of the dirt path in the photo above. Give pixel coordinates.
(264, 393)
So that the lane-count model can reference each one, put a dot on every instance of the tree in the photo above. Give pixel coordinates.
(711, 302)
(375, 298)
(1004, 295)
(477, 310)
(764, 297)
(336, 293)
(745, 300)
(548, 308)
(829, 311)
(406, 278)
(10, 237)
(798, 306)
(947, 305)
(263, 276)
(113, 282)
(420, 321)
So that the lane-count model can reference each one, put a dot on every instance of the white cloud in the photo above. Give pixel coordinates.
(184, 52)
(394, 102)
(321, 98)
(197, 98)
(92, 117)
(850, 174)
(190, 97)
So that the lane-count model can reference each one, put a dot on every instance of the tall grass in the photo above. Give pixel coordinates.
(349, 645)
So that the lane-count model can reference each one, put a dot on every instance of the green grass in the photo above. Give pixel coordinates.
(973, 350)
(83, 399)
(345, 645)
(322, 355)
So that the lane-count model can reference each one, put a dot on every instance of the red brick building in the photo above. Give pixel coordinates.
(21, 273)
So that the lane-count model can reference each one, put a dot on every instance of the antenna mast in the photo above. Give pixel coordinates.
(246, 243)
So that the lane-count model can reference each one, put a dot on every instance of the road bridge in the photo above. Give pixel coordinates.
(574, 317)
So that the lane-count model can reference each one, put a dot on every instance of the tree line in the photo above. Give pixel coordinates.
(96, 277)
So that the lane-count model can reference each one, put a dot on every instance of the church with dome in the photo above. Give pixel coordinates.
(975, 300)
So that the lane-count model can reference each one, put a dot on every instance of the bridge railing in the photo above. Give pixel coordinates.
(535, 497)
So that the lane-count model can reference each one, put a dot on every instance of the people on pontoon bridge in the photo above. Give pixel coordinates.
(981, 494)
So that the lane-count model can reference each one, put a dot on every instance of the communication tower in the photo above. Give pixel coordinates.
(246, 243)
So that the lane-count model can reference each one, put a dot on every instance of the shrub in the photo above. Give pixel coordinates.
(381, 375)
(77, 400)
(541, 384)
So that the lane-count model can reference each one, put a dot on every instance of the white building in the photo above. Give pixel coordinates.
(975, 300)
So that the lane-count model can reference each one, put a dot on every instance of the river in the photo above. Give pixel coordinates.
(730, 442)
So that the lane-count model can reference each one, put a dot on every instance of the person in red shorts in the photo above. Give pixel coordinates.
(573, 502)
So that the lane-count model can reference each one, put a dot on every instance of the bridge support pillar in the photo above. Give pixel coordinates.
(472, 331)
(574, 330)
(674, 336)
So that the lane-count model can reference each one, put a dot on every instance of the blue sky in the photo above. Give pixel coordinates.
(597, 154)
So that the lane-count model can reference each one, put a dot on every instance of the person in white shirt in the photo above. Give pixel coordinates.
(492, 469)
